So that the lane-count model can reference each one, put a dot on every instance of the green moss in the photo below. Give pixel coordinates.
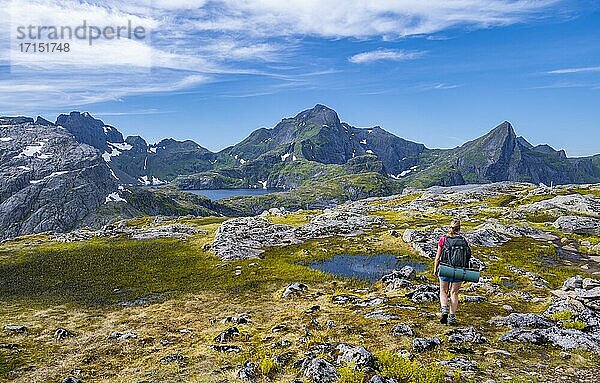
(562, 315)
(503, 200)
(350, 374)
(404, 370)
(573, 324)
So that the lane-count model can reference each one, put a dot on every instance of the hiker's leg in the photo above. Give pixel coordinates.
(444, 286)
(454, 287)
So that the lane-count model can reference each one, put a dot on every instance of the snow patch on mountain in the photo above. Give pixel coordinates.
(114, 197)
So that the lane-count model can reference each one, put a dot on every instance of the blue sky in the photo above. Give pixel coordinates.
(436, 72)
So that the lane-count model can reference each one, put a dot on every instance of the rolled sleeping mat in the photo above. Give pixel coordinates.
(459, 273)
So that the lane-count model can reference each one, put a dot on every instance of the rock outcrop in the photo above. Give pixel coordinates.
(49, 181)
(246, 237)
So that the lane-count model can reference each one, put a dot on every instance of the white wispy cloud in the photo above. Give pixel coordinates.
(359, 18)
(384, 55)
(589, 69)
(438, 86)
(195, 42)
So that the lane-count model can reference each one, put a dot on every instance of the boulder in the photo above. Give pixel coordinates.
(382, 379)
(227, 335)
(460, 364)
(376, 301)
(249, 371)
(425, 344)
(62, 333)
(173, 358)
(225, 348)
(381, 315)
(518, 320)
(356, 355)
(465, 335)
(474, 299)
(573, 283)
(424, 293)
(16, 328)
(565, 339)
(407, 272)
(295, 288)
(525, 336)
(578, 225)
(319, 370)
(423, 242)
(122, 336)
(343, 299)
(240, 319)
(402, 329)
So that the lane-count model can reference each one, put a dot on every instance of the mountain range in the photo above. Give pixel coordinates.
(78, 171)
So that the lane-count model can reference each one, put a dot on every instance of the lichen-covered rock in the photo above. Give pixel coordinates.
(424, 293)
(518, 320)
(227, 335)
(15, 328)
(246, 237)
(398, 279)
(578, 225)
(570, 204)
(425, 344)
(342, 299)
(122, 336)
(407, 272)
(62, 333)
(460, 364)
(319, 370)
(465, 335)
(225, 348)
(249, 371)
(565, 339)
(579, 311)
(356, 355)
(381, 315)
(382, 379)
(295, 288)
(243, 318)
(370, 302)
(402, 329)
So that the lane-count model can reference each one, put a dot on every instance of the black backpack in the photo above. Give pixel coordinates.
(456, 252)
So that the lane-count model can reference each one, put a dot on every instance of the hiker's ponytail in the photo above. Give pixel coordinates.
(454, 227)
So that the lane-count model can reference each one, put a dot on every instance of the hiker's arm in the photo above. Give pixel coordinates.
(436, 263)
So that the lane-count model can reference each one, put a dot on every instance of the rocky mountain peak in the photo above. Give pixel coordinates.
(42, 121)
(504, 131)
(16, 120)
(89, 130)
(319, 115)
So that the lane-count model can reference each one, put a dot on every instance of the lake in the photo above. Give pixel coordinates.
(366, 267)
(216, 194)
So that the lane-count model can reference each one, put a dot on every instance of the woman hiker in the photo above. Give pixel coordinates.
(452, 249)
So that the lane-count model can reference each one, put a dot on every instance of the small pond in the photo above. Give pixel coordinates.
(366, 267)
(217, 194)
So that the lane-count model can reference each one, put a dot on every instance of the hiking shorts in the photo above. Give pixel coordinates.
(448, 279)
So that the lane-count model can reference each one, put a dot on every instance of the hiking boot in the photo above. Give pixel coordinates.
(452, 320)
(444, 315)
(444, 318)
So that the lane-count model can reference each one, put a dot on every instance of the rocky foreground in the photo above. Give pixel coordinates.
(229, 300)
